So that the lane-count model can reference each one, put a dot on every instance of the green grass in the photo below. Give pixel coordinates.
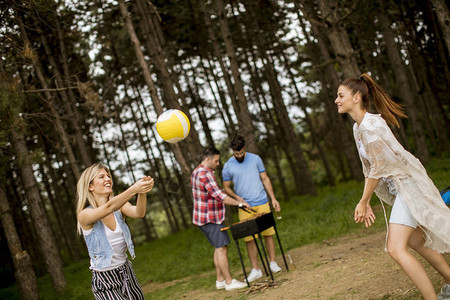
(187, 256)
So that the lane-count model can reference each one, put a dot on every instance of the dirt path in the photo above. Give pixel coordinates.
(351, 267)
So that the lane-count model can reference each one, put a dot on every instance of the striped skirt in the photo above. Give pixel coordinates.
(120, 283)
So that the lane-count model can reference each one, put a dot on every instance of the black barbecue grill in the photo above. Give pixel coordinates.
(252, 227)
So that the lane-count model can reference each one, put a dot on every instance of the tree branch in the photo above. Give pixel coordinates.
(311, 18)
(332, 61)
(154, 10)
(51, 90)
(352, 10)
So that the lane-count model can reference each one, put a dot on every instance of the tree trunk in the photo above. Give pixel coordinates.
(443, 16)
(149, 153)
(129, 163)
(49, 100)
(439, 71)
(226, 75)
(400, 73)
(338, 36)
(199, 104)
(42, 224)
(72, 115)
(223, 106)
(65, 210)
(304, 182)
(161, 179)
(186, 169)
(154, 41)
(315, 140)
(23, 270)
(273, 142)
(26, 231)
(106, 155)
(69, 181)
(70, 105)
(422, 78)
(246, 127)
(60, 236)
(344, 140)
(277, 163)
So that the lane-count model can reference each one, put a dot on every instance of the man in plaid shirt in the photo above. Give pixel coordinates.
(209, 214)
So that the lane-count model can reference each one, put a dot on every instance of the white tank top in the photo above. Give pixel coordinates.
(361, 149)
(118, 244)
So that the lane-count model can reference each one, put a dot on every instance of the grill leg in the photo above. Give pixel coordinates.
(265, 255)
(281, 248)
(242, 262)
(260, 255)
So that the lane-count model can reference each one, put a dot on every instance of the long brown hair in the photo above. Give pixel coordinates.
(372, 93)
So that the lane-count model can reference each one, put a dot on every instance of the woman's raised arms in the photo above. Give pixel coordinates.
(88, 216)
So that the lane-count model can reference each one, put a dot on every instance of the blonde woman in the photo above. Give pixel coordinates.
(419, 218)
(101, 221)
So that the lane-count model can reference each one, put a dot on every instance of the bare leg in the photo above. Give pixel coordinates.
(253, 254)
(399, 236)
(435, 259)
(221, 263)
(220, 276)
(270, 245)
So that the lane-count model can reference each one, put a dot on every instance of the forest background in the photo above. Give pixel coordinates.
(84, 81)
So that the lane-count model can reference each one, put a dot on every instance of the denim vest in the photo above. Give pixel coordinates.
(100, 251)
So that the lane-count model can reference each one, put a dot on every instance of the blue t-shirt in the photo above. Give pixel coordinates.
(246, 178)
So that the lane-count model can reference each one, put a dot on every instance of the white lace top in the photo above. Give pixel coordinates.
(386, 158)
(362, 153)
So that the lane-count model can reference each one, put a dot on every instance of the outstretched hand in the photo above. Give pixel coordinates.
(143, 185)
(364, 213)
(370, 216)
(147, 178)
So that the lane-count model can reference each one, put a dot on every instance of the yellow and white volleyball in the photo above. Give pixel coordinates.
(173, 126)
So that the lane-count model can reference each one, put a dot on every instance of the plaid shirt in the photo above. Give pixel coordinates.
(208, 197)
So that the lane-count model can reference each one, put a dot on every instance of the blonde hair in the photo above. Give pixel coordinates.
(372, 92)
(84, 196)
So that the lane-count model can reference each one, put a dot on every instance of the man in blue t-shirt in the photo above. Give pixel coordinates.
(246, 171)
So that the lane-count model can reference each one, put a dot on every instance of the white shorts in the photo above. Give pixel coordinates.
(400, 213)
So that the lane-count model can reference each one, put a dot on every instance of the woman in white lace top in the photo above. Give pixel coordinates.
(419, 218)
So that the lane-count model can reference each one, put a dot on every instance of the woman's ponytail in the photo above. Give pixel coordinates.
(388, 109)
